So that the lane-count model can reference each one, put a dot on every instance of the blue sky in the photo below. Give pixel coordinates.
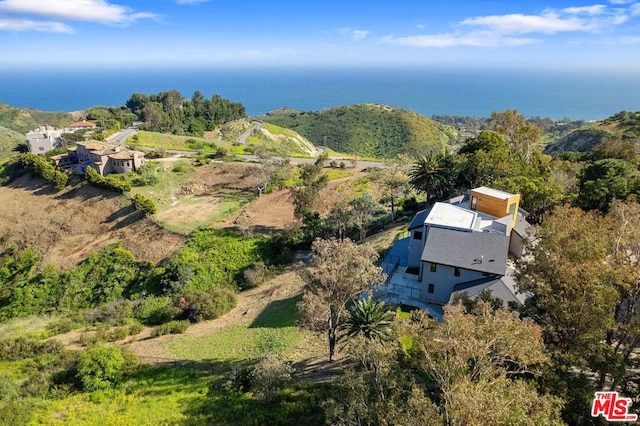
(309, 33)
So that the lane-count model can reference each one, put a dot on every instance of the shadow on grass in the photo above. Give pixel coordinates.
(296, 404)
(278, 314)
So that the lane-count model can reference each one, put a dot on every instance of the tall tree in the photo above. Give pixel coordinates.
(340, 272)
(434, 174)
(480, 364)
(522, 136)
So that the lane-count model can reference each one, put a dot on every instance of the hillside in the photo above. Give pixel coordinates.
(65, 227)
(9, 139)
(368, 130)
(22, 120)
(623, 126)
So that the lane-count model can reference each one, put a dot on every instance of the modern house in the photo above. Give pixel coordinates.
(47, 138)
(44, 139)
(103, 157)
(454, 247)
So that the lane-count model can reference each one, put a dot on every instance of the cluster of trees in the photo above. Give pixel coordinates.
(584, 274)
(198, 283)
(475, 367)
(170, 112)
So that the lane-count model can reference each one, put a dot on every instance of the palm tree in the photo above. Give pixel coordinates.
(370, 319)
(435, 175)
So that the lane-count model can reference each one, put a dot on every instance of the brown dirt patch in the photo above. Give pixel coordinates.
(66, 226)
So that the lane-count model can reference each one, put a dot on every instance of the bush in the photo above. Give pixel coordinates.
(116, 312)
(171, 327)
(269, 375)
(109, 183)
(144, 204)
(258, 274)
(202, 306)
(102, 367)
(39, 166)
(154, 310)
(23, 348)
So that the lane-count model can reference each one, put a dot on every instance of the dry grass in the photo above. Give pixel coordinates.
(65, 227)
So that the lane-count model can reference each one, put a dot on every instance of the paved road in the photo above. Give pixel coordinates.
(122, 136)
(242, 140)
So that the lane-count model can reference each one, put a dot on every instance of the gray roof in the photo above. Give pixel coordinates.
(476, 251)
(504, 288)
(497, 287)
(521, 226)
(418, 219)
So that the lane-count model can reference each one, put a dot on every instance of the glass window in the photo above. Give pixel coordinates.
(431, 288)
(434, 266)
(417, 235)
(474, 202)
(456, 271)
(512, 208)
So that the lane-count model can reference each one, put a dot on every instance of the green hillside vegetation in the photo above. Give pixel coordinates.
(621, 128)
(22, 120)
(9, 139)
(369, 130)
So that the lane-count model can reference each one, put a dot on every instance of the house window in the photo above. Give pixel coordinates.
(431, 288)
(456, 272)
(417, 235)
(512, 208)
(434, 266)
(41, 148)
(128, 164)
(474, 202)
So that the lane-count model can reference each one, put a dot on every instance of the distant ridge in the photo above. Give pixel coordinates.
(370, 130)
(621, 127)
(22, 120)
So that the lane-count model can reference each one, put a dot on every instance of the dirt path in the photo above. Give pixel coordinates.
(250, 305)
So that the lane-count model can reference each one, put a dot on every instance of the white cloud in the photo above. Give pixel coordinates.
(515, 29)
(354, 34)
(547, 23)
(477, 39)
(28, 25)
(191, 1)
(597, 9)
(74, 10)
(360, 34)
(621, 1)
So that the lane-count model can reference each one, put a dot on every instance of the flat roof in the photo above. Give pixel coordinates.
(496, 193)
(451, 216)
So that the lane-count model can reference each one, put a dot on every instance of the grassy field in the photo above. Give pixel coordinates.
(153, 396)
(272, 332)
(172, 142)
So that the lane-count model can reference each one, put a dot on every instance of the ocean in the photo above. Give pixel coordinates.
(463, 92)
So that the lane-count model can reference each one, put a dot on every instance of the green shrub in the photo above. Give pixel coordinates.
(144, 204)
(135, 329)
(258, 274)
(40, 166)
(203, 306)
(171, 327)
(23, 348)
(102, 367)
(154, 310)
(116, 312)
(181, 167)
(110, 183)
